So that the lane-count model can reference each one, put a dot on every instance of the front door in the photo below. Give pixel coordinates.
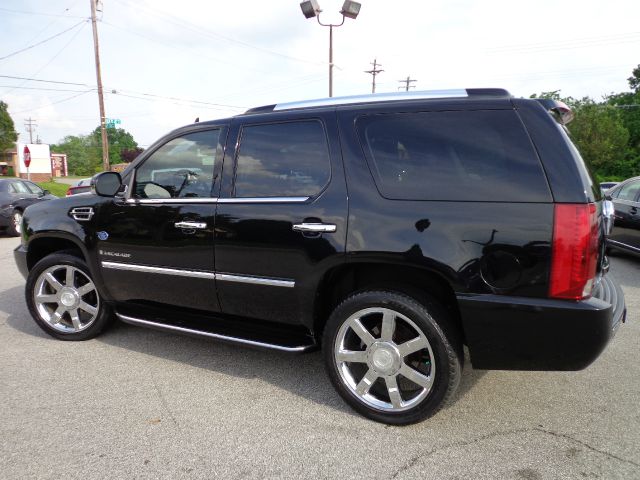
(281, 219)
(156, 244)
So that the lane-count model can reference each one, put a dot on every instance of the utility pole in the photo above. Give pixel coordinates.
(30, 125)
(407, 83)
(373, 72)
(103, 128)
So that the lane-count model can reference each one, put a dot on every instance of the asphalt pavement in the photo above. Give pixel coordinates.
(136, 403)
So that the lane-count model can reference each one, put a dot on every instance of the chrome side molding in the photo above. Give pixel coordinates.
(189, 331)
(223, 277)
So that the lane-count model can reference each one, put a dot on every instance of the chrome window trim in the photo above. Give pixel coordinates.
(162, 201)
(272, 282)
(264, 200)
(175, 328)
(224, 277)
(376, 97)
(163, 270)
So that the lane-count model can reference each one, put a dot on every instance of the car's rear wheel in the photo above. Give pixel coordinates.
(64, 300)
(15, 224)
(391, 358)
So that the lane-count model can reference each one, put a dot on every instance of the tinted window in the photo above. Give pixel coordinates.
(33, 188)
(282, 160)
(18, 187)
(181, 168)
(629, 191)
(467, 156)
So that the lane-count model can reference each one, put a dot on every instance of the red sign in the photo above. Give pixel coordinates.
(27, 156)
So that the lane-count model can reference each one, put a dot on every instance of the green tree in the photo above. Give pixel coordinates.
(83, 158)
(634, 79)
(8, 134)
(599, 132)
(602, 138)
(119, 140)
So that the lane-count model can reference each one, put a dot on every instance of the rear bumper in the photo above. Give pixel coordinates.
(517, 333)
(20, 256)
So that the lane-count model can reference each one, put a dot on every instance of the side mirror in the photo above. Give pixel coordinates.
(45, 192)
(106, 184)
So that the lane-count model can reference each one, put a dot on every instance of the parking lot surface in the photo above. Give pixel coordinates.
(136, 403)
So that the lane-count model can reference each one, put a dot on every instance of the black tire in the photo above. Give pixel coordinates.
(427, 319)
(88, 323)
(13, 230)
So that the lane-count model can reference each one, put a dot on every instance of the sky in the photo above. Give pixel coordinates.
(164, 62)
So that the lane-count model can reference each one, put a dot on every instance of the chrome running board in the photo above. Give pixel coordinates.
(201, 333)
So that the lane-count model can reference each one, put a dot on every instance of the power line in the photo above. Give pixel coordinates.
(373, 72)
(567, 44)
(42, 41)
(56, 55)
(12, 87)
(41, 13)
(115, 91)
(46, 81)
(208, 33)
(53, 103)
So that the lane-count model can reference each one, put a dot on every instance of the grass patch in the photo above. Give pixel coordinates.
(57, 189)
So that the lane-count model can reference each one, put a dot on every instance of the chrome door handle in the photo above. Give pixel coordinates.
(190, 225)
(314, 227)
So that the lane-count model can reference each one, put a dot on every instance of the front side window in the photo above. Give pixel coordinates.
(453, 155)
(181, 168)
(282, 160)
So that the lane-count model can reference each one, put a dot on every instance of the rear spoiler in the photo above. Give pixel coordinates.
(558, 110)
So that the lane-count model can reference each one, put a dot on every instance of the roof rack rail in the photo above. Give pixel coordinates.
(384, 97)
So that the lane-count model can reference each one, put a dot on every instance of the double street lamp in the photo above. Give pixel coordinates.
(311, 8)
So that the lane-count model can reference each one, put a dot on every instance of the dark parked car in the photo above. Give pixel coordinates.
(389, 229)
(15, 196)
(626, 229)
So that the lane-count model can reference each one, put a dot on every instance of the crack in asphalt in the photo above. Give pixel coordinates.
(419, 456)
(164, 403)
(580, 442)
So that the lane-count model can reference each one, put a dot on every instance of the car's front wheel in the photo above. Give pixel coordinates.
(391, 358)
(63, 299)
(15, 224)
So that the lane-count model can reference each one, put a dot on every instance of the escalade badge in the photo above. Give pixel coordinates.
(103, 235)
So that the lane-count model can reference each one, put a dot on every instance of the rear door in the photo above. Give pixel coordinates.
(281, 217)
(626, 227)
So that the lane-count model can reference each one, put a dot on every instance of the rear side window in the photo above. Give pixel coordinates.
(461, 155)
(282, 160)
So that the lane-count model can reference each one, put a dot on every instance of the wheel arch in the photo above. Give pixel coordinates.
(418, 283)
(43, 245)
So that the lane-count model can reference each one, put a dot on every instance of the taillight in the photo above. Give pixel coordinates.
(69, 191)
(574, 251)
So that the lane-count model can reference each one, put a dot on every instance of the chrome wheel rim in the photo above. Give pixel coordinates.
(66, 298)
(384, 359)
(17, 222)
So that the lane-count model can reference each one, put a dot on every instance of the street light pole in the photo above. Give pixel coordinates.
(310, 9)
(330, 25)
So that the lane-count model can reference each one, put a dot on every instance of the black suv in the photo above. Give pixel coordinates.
(390, 229)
